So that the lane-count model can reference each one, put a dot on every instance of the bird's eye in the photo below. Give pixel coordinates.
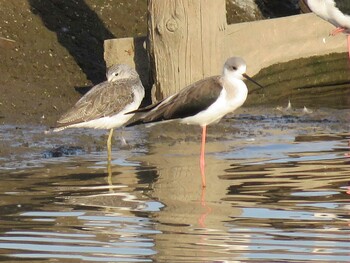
(116, 74)
(234, 68)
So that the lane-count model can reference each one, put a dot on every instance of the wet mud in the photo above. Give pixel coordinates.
(277, 190)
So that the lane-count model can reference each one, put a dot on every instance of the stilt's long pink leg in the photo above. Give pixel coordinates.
(340, 30)
(202, 160)
(207, 208)
(337, 31)
(349, 46)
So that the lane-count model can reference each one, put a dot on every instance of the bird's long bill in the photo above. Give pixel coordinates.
(252, 80)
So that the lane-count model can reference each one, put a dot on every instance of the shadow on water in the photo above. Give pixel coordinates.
(277, 192)
(85, 44)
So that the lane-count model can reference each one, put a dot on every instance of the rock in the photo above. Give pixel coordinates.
(62, 151)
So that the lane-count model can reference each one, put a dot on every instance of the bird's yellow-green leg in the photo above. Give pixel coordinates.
(109, 177)
(109, 145)
(349, 46)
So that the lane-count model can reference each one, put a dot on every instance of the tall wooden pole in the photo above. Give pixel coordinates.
(186, 42)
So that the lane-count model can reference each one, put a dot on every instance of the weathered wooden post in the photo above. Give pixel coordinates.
(189, 40)
(186, 42)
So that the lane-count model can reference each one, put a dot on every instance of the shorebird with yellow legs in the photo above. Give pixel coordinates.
(105, 105)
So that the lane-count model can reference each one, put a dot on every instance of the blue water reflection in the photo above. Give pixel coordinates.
(275, 194)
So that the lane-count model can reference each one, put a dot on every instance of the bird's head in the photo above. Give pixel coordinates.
(119, 72)
(235, 68)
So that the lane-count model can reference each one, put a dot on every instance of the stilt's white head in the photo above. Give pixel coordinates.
(235, 68)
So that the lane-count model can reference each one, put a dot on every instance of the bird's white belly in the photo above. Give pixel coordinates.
(215, 112)
(114, 121)
(108, 122)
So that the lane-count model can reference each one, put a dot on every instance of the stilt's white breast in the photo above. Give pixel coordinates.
(232, 96)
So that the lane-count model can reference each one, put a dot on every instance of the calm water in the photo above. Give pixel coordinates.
(278, 191)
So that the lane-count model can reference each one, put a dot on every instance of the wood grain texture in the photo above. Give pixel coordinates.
(130, 51)
(186, 40)
(263, 43)
(267, 42)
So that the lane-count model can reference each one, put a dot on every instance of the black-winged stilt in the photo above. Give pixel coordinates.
(203, 102)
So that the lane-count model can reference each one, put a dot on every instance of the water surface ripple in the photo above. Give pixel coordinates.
(278, 191)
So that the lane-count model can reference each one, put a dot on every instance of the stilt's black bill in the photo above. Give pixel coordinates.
(252, 80)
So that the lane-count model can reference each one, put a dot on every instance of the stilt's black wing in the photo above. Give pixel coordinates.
(187, 102)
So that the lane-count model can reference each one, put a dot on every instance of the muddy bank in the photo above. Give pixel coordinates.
(25, 146)
(52, 51)
(57, 48)
(316, 82)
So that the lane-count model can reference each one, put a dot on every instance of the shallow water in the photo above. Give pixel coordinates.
(278, 191)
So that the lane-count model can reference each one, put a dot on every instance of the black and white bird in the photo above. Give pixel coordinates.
(337, 12)
(105, 105)
(202, 103)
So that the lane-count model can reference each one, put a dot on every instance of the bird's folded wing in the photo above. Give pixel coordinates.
(104, 99)
(188, 102)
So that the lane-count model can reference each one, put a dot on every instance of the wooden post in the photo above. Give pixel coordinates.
(189, 40)
(186, 38)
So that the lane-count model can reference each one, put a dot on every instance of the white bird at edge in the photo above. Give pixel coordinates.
(336, 12)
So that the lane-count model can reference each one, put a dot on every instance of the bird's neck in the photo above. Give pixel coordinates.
(234, 87)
